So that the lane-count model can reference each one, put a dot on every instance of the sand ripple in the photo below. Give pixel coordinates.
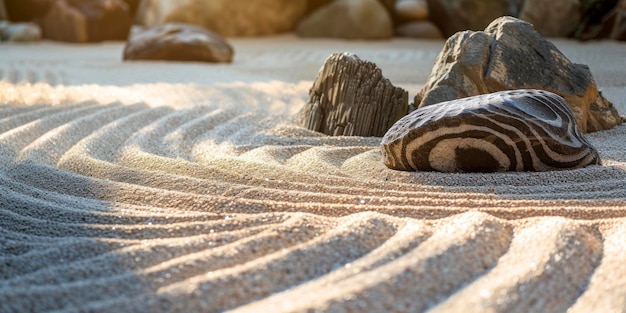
(206, 198)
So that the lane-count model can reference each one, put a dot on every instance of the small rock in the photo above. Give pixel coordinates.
(509, 55)
(519, 130)
(3, 11)
(229, 18)
(350, 97)
(178, 42)
(419, 29)
(87, 21)
(553, 18)
(411, 10)
(348, 19)
(452, 16)
(22, 32)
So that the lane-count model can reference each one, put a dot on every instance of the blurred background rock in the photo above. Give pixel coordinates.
(100, 20)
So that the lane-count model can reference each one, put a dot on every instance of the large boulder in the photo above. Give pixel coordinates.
(350, 97)
(226, 17)
(419, 29)
(178, 42)
(452, 16)
(348, 19)
(553, 18)
(518, 130)
(510, 54)
(87, 20)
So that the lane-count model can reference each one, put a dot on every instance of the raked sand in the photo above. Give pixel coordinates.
(185, 187)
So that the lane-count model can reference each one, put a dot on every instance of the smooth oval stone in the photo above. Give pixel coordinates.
(178, 42)
(519, 130)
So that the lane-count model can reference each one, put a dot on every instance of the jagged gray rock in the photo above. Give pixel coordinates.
(348, 19)
(350, 97)
(509, 55)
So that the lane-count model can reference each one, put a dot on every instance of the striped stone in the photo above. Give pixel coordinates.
(519, 130)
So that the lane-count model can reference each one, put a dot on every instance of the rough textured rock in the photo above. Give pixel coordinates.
(20, 32)
(350, 97)
(554, 18)
(419, 29)
(348, 19)
(226, 17)
(508, 55)
(452, 16)
(87, 21)
(178, 42)
(411, 10)
(519, 130)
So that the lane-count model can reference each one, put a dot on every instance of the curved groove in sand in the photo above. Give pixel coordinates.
(159, 197)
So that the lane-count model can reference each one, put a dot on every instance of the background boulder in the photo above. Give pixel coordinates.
(553, 18)
(226, 17)
(411, 10)
(419, 29)
(27, 10)
(178, 42)
(452, 16)
(87, 20)
(348, 19)
(19, 32)
(601, 21)
(3, 11)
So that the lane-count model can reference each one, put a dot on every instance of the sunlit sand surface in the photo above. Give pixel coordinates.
(160, 187)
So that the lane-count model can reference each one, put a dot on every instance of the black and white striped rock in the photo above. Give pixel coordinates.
(519, 130)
